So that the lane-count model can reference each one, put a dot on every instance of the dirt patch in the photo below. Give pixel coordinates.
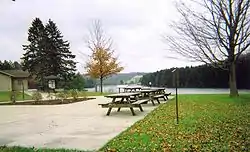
(48, 102)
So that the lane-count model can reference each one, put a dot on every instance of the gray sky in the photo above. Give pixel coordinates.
(135, 26)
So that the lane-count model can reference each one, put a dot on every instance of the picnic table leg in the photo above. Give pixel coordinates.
(110, 108)
(132, 110)
(140, 107)
(153, 102)
(151, 99)
(119, 109)
(109, 111)
(165, 98)
(158, 100)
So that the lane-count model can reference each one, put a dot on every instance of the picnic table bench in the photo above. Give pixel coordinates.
(167, 94)
(125, 102)
(149, 93)
(156, 94)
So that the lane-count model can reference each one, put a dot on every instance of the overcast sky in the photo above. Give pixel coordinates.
(136, 27)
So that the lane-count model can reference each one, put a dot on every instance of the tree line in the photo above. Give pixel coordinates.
(9, 65)
(204, 76)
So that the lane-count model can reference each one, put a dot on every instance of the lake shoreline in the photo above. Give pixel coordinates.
(114, 89)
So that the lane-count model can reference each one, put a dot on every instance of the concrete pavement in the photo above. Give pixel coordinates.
(82, 125)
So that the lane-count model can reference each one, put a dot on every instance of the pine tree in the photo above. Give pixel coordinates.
(34, 57)
(47, 53)
(17, 66)
(59, 57)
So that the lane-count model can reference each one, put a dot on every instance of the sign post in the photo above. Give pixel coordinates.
(176, 77)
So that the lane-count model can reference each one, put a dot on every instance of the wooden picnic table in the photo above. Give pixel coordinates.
(149, 93)
(159, 90)
(132, 88)
(125, 101)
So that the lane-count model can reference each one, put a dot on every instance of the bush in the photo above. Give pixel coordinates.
(62, 95)
(37, 96)
(13, 95)
(74, 94)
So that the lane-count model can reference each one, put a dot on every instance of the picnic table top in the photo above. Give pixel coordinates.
(153, 88)
(159, 88)
(148, 90)
(121, 95)
(132, 87)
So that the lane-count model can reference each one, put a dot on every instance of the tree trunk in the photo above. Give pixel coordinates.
(101, 79)
(232, 81)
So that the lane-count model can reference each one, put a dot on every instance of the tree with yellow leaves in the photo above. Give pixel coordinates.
(102, 62)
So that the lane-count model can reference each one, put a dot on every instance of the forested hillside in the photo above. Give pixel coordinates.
(203, 76)
(124, 77)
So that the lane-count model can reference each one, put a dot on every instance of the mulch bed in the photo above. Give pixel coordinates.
(48, 102)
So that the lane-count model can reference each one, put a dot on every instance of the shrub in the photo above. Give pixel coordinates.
(62, 95)
(13, 95)
(37, 96)
(74, 94)
(50, 96)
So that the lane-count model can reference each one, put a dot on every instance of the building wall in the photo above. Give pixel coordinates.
(17, 84)
(5, 83)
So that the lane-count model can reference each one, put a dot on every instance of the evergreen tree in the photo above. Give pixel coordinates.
(77, 82)
(59, 58)
(34, 57)
(47, 53)
(17, 66)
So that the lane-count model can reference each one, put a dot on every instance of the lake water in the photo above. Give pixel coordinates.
(114, 89)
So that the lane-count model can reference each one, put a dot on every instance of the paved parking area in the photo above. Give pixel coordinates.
(82, 125)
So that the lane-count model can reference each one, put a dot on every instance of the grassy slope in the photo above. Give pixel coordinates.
(5, 96)
(207, 122)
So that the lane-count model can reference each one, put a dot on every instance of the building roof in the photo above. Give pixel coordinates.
(15, 73)
(51, 77)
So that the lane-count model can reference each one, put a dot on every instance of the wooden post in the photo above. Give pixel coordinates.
(23, 89)
(176, 98)
(175, 81)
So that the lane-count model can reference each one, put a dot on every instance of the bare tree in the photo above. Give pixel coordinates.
(102, 62)
(218, 35)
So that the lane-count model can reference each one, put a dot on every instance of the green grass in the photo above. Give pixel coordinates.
(5, 96)
(207, 123)
(23, 149)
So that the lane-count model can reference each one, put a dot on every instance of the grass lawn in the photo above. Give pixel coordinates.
(207, 123)
(5, 96)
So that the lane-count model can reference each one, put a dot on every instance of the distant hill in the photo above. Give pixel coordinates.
(134, 80)
(125, 77)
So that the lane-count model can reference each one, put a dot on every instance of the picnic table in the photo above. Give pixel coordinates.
(132, 88)
(159, 90)
(155, 94)
(124, 102)
(149, 93)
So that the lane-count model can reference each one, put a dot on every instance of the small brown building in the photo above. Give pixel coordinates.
(16, 80)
